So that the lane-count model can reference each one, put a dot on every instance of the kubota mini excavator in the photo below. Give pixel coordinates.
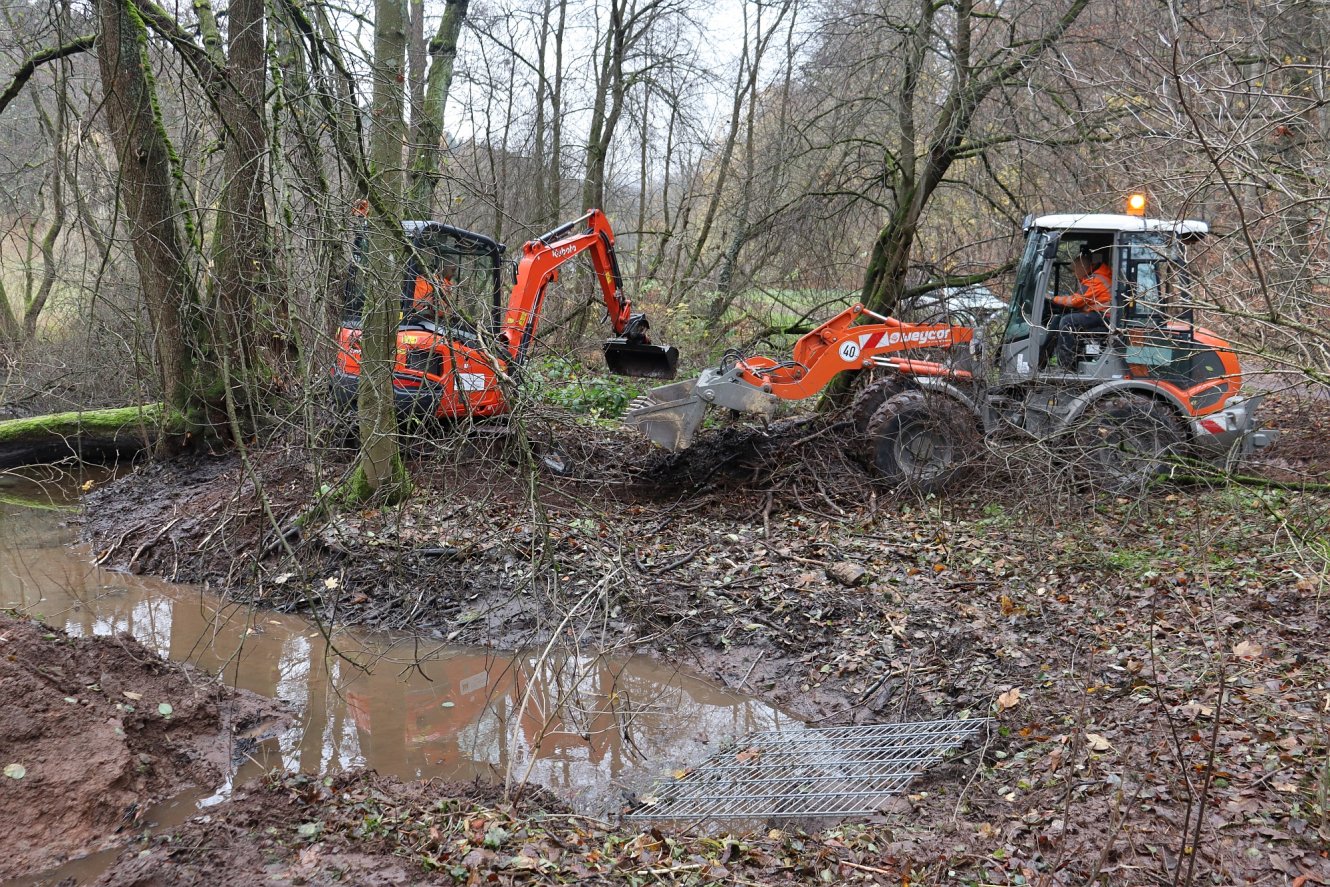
(456, 336)
(1149, 388)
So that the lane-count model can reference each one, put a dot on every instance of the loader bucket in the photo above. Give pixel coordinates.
(668, 415)
(644, 361)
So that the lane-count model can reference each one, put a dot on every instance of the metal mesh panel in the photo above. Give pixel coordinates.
(837, 771)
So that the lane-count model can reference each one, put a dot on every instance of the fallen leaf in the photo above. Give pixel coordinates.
(1009, 699)
(1097, 742)
(135, 696)
(748, 754)
(1007, 604)
(15, 771)
(309, 829)
(331, 582)
(1193, 708)
(164, 709)
(1246, 650)
(847, 573)
(87, 485)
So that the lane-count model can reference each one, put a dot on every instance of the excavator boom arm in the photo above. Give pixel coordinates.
(539, 267)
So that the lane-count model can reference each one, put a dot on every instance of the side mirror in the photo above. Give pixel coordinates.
(1051, 249)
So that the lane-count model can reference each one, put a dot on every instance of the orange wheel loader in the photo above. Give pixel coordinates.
(1147, 386)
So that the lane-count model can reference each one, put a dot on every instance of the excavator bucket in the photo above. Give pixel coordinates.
(625, 358)
(668, 415)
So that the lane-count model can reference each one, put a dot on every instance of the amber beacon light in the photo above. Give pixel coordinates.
(1136, 205)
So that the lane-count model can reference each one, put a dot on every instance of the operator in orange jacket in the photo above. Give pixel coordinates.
(431, 297)
(1092, 302)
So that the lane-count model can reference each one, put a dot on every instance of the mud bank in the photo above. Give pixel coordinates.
(1157, 664)
(363, 829)
(95, 730)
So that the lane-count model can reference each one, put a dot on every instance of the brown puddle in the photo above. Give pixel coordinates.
(592, 729)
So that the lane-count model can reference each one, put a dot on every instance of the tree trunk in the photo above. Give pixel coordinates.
(554, 209)
(148, 195)
(606, 107)
(246, 284)
(427, 139)
(380, 472)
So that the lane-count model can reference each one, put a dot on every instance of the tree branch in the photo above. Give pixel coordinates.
(33, 62)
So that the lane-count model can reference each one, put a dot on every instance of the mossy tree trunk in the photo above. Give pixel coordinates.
(247, 289)
(427, 137)
(147, 193)
(380, 472)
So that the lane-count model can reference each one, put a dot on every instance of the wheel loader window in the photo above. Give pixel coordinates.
(1150, 266)
(1027, 280)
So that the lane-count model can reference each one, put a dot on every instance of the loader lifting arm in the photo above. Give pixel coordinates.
(631, 352)
(671, 414)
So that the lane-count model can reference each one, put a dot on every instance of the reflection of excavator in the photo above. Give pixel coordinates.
(1149, 386)
(456, 338)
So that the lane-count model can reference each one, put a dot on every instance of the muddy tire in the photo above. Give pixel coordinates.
(1126, 443)
(866, 402)
(921, 442)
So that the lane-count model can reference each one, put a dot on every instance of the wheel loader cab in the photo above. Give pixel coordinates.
(1148, 287)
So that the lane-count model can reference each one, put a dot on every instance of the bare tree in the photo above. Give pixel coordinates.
(147, 191)
(379, 471)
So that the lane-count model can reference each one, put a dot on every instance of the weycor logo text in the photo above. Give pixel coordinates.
(852, 349)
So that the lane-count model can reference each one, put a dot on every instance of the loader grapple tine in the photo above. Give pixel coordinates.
(669, 415)
(640, 360)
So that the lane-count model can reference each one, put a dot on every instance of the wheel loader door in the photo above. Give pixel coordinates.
(1026, 320)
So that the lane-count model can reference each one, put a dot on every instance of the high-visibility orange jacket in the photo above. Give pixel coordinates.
(1096, 292)
(427, 298)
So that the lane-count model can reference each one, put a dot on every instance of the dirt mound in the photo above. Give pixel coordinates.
(355, 828)
(92, 731)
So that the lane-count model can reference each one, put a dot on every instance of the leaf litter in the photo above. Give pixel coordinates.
(1140, 655)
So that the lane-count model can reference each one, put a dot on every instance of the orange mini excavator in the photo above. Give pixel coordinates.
(456, 336)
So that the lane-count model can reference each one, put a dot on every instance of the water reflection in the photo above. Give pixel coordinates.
(588, 727)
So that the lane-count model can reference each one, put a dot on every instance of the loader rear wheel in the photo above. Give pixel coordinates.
(866, 402)
(920, 442)
(1127, 442)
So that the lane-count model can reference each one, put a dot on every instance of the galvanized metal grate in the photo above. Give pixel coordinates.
(836, 771)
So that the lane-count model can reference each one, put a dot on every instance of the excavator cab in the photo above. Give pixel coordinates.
(451, 279)
(452, 282)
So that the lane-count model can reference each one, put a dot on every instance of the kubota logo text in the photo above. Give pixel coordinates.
(563, 251)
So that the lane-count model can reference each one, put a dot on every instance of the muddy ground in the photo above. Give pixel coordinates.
(1158, 665)
(93, 731)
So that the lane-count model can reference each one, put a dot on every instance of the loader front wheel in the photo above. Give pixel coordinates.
(866, 402)
(1127, 442)
(920, 442)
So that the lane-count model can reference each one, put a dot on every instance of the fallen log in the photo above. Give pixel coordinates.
(87, 434)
